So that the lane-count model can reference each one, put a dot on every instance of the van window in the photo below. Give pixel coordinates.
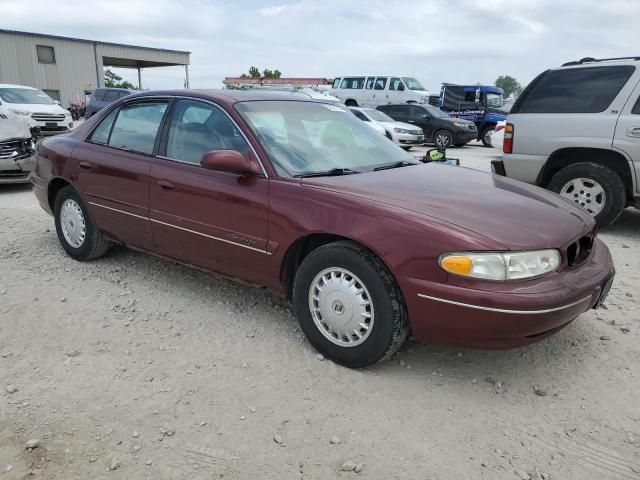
(370, 82)
(353, 83)
(381, 82)
(336, 82)
(99, 94)
(577, 90)
(111, 96)
(396, 84)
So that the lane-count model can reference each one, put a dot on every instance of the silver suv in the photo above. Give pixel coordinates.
(576, 131)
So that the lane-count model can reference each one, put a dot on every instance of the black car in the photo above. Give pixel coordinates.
(101, 97)
(439, 128)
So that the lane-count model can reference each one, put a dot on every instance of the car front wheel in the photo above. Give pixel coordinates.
(594, 187)
(349, 305)
(77, 234)
(443, 139)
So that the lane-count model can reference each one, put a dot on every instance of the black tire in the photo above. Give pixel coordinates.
(94, 244)
(351, 103)
(443, 138)
(461, 144)
(485, 137)
(390, 323)
(406, 147)
(612, 184)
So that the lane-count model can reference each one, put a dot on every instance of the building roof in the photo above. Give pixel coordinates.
(59, 37)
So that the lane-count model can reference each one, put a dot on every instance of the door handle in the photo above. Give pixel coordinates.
(411, 121)
(166, 185)
(633, 132)
(85, 165)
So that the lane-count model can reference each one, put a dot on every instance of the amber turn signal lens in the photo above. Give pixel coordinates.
(460, 265)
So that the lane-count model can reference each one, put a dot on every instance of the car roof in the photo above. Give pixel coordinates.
(113, 89)
(9, 85)
(593, 62)
(229, 96)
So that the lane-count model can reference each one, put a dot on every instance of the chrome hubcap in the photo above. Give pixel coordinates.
(487, 135)
(442, 140)
(72, 223)
(341, 307)
(587, 193)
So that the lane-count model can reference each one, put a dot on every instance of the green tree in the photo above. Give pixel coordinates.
(254, 72)
(509, 85)
(112, 79)
(276, 73)
(266, 73)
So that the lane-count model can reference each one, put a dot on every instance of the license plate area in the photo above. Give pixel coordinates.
(51, 124)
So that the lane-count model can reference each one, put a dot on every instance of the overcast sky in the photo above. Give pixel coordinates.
(433, 40)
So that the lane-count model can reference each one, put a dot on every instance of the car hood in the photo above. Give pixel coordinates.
(37, 107)
(13, 127)
(513, 214)
(408, 126)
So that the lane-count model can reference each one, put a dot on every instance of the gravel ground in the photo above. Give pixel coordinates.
(132, 367)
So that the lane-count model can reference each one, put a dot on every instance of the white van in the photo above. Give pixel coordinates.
(379, 90)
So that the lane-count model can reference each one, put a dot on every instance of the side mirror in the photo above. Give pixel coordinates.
(230, 161)
(425, 116)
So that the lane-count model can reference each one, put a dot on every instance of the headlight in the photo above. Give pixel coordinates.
(67, 113)
(501, 266)
(401, 130)
(459, 124)
(424, 99)
(20, 112)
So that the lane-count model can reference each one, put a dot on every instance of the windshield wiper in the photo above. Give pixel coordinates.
(334, 172)
(401, 163)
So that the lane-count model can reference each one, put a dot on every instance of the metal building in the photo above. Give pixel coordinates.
(68, 69)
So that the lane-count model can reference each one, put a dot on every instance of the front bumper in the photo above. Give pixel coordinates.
(497, 318)
(50, 128)
(408, 139)
(17, 170)
(464, 136)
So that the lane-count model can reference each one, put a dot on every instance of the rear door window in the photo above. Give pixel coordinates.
(336, 82)
(136, 126)
(381, 82)
(103, 130)
(353, 83)
(577, 90)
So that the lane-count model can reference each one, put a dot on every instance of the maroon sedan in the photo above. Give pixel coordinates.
(304, 199)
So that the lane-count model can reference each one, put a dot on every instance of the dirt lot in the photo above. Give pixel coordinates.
(132, 367)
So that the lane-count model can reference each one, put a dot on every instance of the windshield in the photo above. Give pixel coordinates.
(25, 95)
(308, 137)
(412, 83)
(434, 112)
(494, 100)
(377, 115)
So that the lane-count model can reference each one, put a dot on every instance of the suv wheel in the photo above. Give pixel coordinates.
(486, 136)
(351, 103)
(442, 138)
(594, 187)
(349, 306)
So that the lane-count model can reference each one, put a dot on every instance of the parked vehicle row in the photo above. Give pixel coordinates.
(280, 191)
(576, 131)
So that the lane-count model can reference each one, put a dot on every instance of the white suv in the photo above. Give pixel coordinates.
(37, 107)
(576, 130)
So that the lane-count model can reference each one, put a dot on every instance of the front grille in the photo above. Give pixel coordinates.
(579, 250)
(48, 117)
(13, 174)
(11, 149)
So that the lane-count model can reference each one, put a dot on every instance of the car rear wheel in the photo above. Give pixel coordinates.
(594, 187)
(486, 136)
(443, 139)
(349, 305)
(77, 234)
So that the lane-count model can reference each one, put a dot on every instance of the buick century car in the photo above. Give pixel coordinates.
(303, 198)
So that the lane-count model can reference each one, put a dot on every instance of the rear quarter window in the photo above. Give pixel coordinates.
(636, 108)
(577, 90)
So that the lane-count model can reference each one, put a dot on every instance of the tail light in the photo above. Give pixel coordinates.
(507, 144)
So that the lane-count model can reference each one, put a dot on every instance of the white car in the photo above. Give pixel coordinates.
(363, 91)
(402, 134)
(37, 107)
(497, 137)
(16, 148)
